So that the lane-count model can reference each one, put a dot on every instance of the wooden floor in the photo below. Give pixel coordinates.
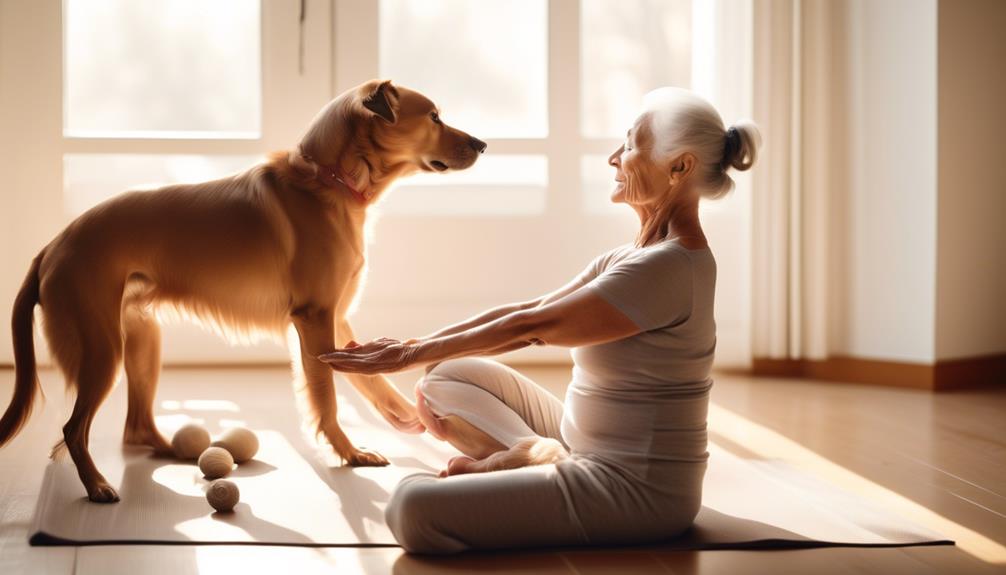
(939, 459)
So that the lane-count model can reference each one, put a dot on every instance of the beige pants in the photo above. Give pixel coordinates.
(580, 500)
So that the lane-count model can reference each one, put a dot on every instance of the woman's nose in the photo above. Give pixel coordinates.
(615, 158)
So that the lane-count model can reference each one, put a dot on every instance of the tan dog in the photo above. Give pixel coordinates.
(278, 244)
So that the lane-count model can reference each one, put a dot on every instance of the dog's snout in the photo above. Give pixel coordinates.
(477, 145)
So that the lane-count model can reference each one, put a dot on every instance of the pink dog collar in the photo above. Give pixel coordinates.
(330, 178)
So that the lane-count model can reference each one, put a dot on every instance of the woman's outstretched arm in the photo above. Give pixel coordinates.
(579, 318)
(505, 310)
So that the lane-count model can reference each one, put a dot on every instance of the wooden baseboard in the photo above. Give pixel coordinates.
(942, 375)
(971, 372)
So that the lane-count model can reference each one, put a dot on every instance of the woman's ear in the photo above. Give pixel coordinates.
(681, 168)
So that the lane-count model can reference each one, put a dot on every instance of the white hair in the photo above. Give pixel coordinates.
(681, 121)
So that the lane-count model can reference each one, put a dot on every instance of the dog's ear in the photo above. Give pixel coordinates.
(383, 102)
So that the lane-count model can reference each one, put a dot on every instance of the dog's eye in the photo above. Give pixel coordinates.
(435, 117)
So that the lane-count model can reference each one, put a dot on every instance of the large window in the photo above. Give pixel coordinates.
(164, 91)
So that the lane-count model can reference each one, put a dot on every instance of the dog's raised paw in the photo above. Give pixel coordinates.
(103, 493)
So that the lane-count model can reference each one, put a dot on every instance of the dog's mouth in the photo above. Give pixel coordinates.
(452, 162)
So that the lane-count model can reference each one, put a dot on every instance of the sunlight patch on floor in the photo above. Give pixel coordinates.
(765, 442)
(181, 478)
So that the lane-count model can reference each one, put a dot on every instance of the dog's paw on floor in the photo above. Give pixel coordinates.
(364, 458)
(103, 493)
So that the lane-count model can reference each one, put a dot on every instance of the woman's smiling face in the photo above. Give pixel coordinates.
(638, 179)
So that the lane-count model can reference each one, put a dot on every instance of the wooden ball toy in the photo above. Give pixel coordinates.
(242, 443)
(190, 441)
(223, 495)
(216, 462)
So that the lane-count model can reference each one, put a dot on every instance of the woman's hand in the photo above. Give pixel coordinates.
(384, 355)
(391, 404)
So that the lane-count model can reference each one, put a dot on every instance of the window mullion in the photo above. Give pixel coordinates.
(564, 107)
(356, 49)
(290, 97)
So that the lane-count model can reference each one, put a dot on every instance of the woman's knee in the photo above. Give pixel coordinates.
(461, 401)
(436, 385)
(485, 374)
(463, 369)
(412, 516)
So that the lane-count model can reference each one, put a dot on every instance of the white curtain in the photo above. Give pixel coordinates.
(798, 201)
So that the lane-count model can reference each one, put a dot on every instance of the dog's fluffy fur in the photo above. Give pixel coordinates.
(256, 252)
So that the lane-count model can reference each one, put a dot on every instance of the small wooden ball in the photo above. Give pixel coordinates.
(190, 441)
(242, 443)
(223, 495)
(216, 462)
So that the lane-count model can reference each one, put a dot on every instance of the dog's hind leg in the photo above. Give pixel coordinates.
(85, 338)
(95, 377)
(143, 367)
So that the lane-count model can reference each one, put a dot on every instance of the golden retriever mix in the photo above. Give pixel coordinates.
(279, 244)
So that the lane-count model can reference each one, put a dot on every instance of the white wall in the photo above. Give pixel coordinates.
(971, 265)
(925, 266)
(891, 235)
(30, 120)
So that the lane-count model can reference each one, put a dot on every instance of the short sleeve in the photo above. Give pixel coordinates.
(597, 266)
(652, 288)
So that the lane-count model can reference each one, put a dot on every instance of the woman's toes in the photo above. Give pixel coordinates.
(459, 464)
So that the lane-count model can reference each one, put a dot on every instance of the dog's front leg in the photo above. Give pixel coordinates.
(316, 331)
(379, 391)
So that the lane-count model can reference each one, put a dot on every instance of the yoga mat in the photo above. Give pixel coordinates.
(292, 496)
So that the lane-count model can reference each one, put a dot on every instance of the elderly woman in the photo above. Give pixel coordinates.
(623, 458)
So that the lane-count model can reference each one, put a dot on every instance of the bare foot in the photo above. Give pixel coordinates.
(458, 465)
(526, 452)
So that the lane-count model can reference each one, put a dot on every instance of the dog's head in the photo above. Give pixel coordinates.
(379, 131)
(408, 126)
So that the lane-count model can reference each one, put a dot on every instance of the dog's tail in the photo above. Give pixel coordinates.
(25, 374)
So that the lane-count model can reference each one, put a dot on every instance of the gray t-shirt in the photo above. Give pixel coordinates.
(643, 400)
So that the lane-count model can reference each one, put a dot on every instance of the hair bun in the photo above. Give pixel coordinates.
(740, 148)
(730, 148)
